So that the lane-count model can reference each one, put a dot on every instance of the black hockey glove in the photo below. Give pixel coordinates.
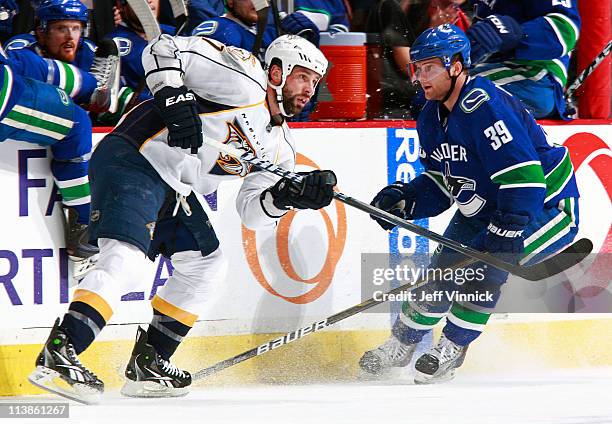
(315, 191)
(504, 235)
(178, 108)
(398, 199)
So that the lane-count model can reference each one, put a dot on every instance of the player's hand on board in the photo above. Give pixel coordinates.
(178, 108)
(398, 199)
(495, 33)
(299, 24)
(315, 191)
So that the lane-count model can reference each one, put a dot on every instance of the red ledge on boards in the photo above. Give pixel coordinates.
(400, 124)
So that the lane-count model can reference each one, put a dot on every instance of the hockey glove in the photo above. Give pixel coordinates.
(398, 199)
(297, 23)
(8, 10)
(504, 234)
(315, 191)
(495, 33)
(178, 108)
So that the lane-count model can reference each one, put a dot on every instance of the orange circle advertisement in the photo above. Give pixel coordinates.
(336, 239)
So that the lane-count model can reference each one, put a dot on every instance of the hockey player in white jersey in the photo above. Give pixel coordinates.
(143, 178)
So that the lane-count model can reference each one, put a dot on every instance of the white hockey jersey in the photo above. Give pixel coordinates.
(231, 86)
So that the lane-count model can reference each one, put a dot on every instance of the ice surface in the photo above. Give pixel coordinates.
(578, 396)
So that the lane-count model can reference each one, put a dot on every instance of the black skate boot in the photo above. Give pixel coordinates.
(58, 370)
(106, 69)
(150, 375)
(440, 362)
(392, 353)
(77, 238)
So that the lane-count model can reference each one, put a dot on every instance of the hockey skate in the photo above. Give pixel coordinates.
(392, 353)
(106, 69)
(77, 243)
(149, 375)
(58, 370)
(439, 364)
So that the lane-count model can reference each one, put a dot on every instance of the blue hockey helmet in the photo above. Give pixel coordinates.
(444, 42)
(59, 10)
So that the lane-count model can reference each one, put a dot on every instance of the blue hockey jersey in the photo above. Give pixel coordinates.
(83, 59)
(551, 29)
(11, 86)
(131, 45)
(74, 78)
(234, 33)
(488, 154)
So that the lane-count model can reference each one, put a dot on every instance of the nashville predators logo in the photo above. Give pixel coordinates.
(229, 164)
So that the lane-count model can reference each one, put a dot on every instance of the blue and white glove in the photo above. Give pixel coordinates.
(298, 24)
(504, 234)
(398, 199)
(494, 34)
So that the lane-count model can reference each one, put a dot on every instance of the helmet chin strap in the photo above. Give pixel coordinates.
(451, 89)
(278, 89)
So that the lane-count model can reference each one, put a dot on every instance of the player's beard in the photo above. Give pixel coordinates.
(291, 104)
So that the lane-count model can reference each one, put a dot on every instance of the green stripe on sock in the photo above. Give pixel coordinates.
(37, 122)
(531, 173)
(417, 317)
(469, 315)
(556, 229)
(75, 192)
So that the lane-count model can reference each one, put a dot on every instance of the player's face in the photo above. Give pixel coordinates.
(61, 39)
(299, 88)
(244, 10)
(433, 77)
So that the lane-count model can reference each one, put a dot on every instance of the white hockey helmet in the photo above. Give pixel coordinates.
(291, 51)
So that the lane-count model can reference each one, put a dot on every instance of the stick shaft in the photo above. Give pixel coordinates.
(571, 90)
(314, 327)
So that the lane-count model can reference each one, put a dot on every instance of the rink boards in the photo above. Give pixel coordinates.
(280, 280)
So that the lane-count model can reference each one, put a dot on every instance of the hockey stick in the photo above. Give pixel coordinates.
(316, 326)
(262, 7)
(571, 90)
(103, 20)
(180, 13)
(276, 16)
(539, 271)
(146, 17)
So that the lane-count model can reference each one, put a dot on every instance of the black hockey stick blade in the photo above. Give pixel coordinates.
(103, 18)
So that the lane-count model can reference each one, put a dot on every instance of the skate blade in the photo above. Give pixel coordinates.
(422, 378)
(150, 389)
(81, 267)
(52, 381)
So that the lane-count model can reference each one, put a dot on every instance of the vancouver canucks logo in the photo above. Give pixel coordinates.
(229, 164)
(473, 100)
(456, 184)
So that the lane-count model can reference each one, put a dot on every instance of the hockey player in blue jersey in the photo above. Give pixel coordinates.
(130, 38)
(238, 26)
(524, 46)
(39, 113)
(516, 194)
(59, 55)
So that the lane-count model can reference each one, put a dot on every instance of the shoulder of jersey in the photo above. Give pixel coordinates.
(22, 41)
(478, 92)
(211, 26)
